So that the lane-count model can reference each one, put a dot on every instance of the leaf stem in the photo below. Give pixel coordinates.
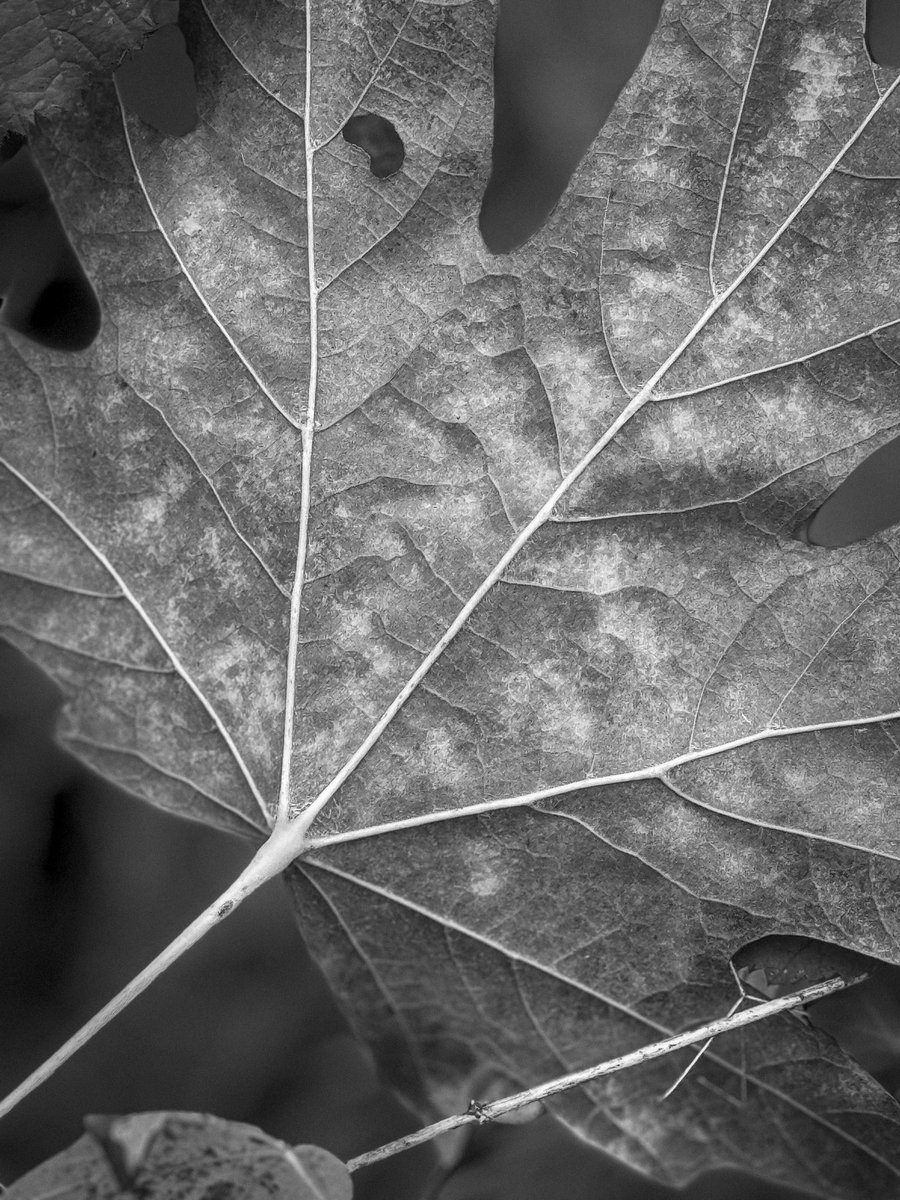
(498, 1108)
(273, 856)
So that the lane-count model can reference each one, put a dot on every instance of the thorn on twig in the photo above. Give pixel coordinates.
(743, 995)
(699, 1054)
(530, 1100)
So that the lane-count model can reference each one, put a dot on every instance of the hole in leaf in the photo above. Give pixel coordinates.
(559, 66)
(157, 83)
(777, 965)
(883, 32)
(864, 1019)
(380, 140)
(865, 503)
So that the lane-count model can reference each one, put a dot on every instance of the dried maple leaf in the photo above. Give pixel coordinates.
(486, 564)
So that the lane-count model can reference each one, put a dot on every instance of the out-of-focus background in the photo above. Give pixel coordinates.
(93, 883)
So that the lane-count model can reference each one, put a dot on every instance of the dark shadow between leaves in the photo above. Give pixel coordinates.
(559, 66)
(46, 295)
(91, 882)
(865, 503)
(157, 83)
(883, 32)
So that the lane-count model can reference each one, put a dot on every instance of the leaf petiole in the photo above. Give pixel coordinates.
(285, 843)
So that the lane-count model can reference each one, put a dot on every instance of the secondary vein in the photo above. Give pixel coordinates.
(654, 771)
(151, 626)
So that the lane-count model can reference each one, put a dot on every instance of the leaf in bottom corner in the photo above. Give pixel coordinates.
(183, 1156)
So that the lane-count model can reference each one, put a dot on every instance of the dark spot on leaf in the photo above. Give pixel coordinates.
(221, 1190)
(866, 502)
(380, 140)
(883, 32)
(157, 83)
(559, 66)
(66, 315)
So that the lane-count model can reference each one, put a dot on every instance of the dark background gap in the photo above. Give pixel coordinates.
(93, 882)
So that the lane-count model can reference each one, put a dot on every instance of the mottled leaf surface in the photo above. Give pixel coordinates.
(183, 1156)
(668, 728)
(50, 51)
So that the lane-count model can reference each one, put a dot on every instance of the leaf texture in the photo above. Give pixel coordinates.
(166, 1155)
(665, 727)
(49, 52)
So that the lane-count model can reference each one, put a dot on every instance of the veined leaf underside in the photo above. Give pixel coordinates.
(348, 403)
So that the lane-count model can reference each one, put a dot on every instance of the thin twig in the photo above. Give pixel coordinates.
(479, 1113)
(272, 857)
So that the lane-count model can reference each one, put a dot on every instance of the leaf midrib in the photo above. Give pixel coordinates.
(635, 404)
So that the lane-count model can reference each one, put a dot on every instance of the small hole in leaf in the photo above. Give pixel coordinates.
(883, 32)
(66, 315)
(865, 503)
(380, 140)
